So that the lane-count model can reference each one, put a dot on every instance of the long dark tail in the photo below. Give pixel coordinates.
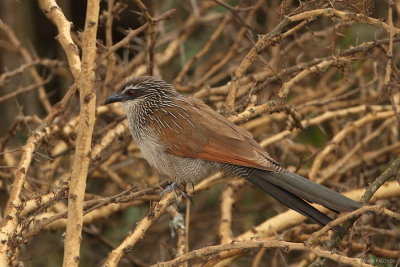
(294, 191)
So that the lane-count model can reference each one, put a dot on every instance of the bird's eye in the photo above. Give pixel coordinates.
(130, 92)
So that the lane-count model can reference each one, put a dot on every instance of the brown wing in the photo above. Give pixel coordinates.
(205, 134)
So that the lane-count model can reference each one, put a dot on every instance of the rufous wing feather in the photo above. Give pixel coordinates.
(214, 139)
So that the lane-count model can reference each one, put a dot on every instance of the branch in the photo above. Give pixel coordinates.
(276, 34)
(135, 32)
(10, 222)
(246, 63)
(151, 38)
(86, 85)
(27, 56)
(290, 218)
(24, 90)
(155, 212)
(215, 251)
(340, 136)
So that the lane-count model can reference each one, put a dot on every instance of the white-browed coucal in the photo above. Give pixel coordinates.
(186, 140)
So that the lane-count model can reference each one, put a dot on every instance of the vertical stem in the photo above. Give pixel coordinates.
(86, 85)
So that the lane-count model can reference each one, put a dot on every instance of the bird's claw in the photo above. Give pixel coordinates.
(169, 188)
(174, 188)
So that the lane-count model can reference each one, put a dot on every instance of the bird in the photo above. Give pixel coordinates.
(187, 141)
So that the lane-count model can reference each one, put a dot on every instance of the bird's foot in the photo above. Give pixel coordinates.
(174, 187)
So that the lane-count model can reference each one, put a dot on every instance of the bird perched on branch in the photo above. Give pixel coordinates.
(186, 140)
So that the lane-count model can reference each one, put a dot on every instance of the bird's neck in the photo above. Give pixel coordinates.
(140, 113)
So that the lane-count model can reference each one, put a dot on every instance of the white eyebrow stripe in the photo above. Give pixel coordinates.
(132, 86)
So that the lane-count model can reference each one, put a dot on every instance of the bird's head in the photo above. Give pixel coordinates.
(140, 89)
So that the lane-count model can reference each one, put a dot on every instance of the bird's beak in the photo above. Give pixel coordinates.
(114, 97)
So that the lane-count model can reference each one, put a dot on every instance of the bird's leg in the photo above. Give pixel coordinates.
(174, 187)
(186, 195)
